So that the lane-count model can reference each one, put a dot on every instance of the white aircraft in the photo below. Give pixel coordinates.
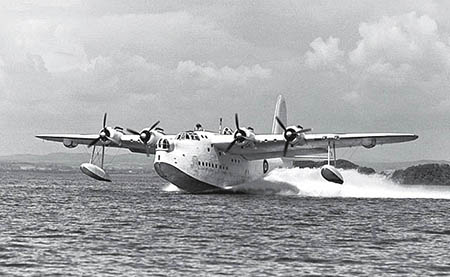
(201, 161)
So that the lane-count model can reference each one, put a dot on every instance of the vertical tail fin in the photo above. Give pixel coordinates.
(281, 112)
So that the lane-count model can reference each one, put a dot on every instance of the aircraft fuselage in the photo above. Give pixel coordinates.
(195, 165)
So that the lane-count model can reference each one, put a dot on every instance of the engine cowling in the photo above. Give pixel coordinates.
(244, 136)
(294, 136)
(369, 142)
(69, 143)
(113, 134)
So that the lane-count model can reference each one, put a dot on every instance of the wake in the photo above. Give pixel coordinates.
(309, 182)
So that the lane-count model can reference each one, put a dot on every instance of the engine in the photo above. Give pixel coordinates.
(369, 142)
(294, 135)
(112, 133)
(69, 143)
(244, 136)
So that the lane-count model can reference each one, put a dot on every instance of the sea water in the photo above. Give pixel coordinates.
(293, 223)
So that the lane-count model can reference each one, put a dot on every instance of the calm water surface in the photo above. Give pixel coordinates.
(65, 224)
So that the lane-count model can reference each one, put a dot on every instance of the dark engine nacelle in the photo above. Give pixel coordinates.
(69, 143)
(369, 143)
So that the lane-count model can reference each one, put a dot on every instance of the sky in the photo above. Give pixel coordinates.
(343, 66)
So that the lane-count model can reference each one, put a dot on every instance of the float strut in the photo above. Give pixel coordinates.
(334, 153)
(103, 155)
(92, 155)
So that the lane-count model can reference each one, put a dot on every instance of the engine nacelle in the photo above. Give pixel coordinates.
(369, 143)
(155, 135)
(244, 136)
(294, 135)
(112, 133)
(69, 143)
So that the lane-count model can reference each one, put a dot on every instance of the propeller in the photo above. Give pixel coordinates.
(290, 134)
(104, 135)
(239, 136)
(145, 135)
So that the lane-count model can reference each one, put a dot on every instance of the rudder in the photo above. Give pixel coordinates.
(281, 112)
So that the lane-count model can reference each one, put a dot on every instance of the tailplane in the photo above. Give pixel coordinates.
(281, 113)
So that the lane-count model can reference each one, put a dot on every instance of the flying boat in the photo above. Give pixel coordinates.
(203, 161)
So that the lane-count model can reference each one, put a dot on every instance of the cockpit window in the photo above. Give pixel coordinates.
(187, 135)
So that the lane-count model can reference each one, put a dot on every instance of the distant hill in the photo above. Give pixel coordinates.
(383, 166)
(344, 164)
(425, 174)
(75, 159)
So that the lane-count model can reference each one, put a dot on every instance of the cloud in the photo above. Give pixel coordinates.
(399, 62)
(208, 72)
(65, 64)
(57, 66)
(404, 55)
(324, 54)
(404, 39)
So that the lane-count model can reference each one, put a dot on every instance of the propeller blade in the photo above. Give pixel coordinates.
(230, 146)
(281, 123)
(94, 142)
(304, 130)
(236, 120)
(147, 150)
(286, 145)
(104, 121)
(133, 132)
(154, 125)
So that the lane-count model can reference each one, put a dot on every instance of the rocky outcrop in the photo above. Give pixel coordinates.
(344, 164)
(424, 174)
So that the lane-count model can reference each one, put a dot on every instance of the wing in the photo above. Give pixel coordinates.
(67, 138)
(131, 142)
(272, 145)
